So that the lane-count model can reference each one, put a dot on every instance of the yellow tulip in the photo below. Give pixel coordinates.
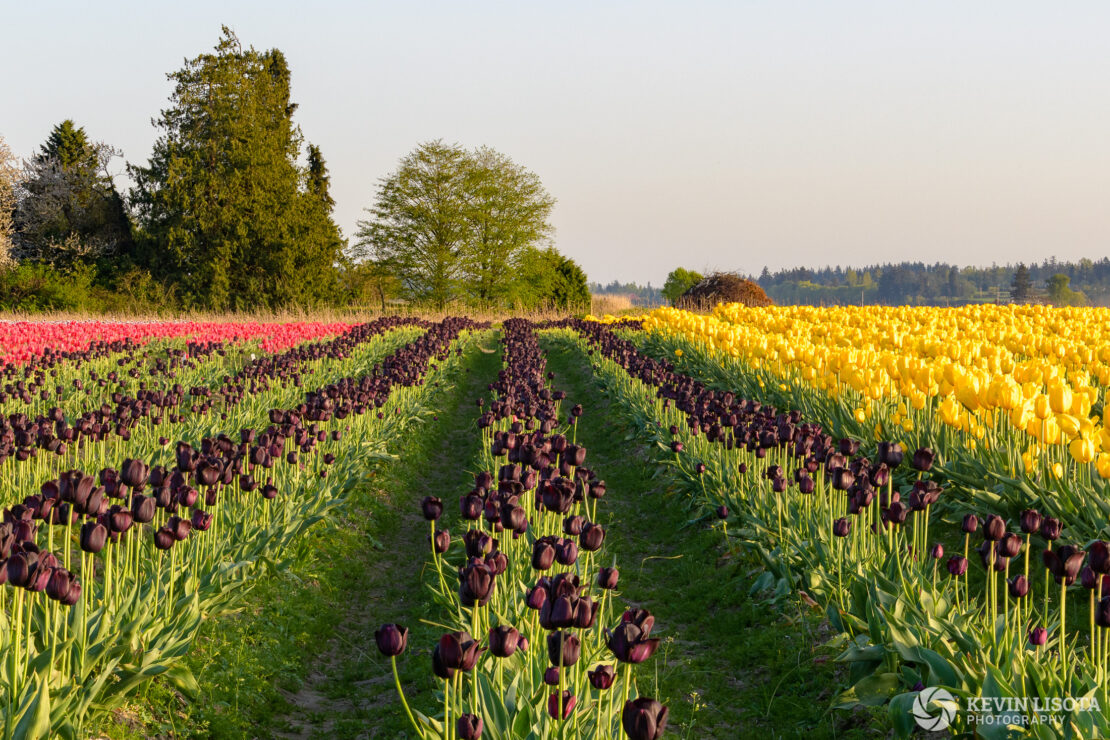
(1082, 450)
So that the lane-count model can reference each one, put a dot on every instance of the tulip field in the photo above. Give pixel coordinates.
(929, 487)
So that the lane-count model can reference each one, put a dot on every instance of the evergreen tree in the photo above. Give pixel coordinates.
(69, 211)
(226, 211)
(1022, 284)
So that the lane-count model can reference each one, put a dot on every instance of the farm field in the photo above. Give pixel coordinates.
(781, 522)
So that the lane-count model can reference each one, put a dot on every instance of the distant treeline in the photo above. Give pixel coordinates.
(942, 284)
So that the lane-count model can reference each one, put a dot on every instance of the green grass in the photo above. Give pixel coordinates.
(730, 666)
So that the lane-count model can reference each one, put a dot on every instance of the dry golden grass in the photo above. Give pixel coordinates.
(610, 303)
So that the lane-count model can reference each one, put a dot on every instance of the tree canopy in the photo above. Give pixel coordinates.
(226, 211)
(69, 211)
(678, 282)
(457, 224)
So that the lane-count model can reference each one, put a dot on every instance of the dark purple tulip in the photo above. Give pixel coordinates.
(994, 528)
(439, 668)
(59, 584)
(722, 512)
(476, 583)
(566, 552)
(478, 543)
(503, 641)
(848, 447)
(970, 524)
(607, 578)
(841, 527)
(936, 551)
(460, 651)
(392, 639)
(134, 473)
(471, 507)
(1010, 545)
(163, 539)
(1088, 578)
(573, 525)
(1102, 612)
(1038, 636)
(1031, 521)
(644, 719)
(1051, 529)
(1064, 563)
(1099, 553)
(469, 727)
(807, 485)
(630, 644)
(536, 598)
(591, 538)
(143, 508)
(551, 675)
(543, 554)
(923, 459)
(602, 677)
(179, 527)
(201, 520)
(442, 541)
(957, 565)
(497, 562)
(843, 479)
(93, 537)
(432, 508)
(563, 648)
(569, 700)
(676, 446)
(1019, 586)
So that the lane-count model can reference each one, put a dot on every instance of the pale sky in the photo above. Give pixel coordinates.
(726, 135)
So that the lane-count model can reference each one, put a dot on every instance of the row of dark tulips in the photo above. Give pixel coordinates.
(114, 411)
(527, 576)
(130, 559)
(853, 530)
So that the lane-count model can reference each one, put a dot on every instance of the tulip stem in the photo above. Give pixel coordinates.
(1063, 633)
(401, 693)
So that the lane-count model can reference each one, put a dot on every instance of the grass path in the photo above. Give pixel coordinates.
(300, 661)
(756, 670)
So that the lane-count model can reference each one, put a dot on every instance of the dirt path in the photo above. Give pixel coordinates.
(729, 666)
(350, 691)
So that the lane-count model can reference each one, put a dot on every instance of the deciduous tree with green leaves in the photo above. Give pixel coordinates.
(457, 224)
(678, 282)
(226, 211)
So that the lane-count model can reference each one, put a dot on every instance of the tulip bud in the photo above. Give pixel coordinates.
(503, 641)
(602, 677)
(432, 508)
(442, 541)
(163, 539)
(93, 537)
(607, 578)
(468, 727)
(936, 551)
(841, 527)
(392, 639)
(569, 700)
(957, 566)
(644, 719)
(1019, 586)
(1051, 529)
(563, 648)
(1031, 521)
(923, 459)
(1038, 637)
(551, 675)
(591, 538)
(970, 524)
